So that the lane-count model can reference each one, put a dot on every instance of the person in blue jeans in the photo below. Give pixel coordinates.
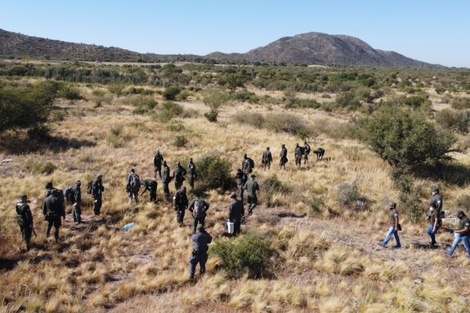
(462, 233)
(434, 223)
(393, 229)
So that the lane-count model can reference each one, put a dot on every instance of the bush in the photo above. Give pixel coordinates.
(403, 137)
(254, 119)
(180, 141)
(70, 93)
(461, 103)
(449, 119)
(463, 201)
(287, 123)
(247, 254)
(171, 92)
(26, 106)
(214, 173)
(348, 194)
(211, 116)
(169, 111)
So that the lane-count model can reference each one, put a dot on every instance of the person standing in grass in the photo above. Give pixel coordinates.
(198, 208)
(97, 189)
(191, 173)
(24, 219)
(180, 202)
(267, 159)
(298, 155)
(201, 241)
(252, 188)
(235, 213)
(150, 185)
(178, 175)
(241, 179)
(53, 210)
(306, 149)
(157, 164)
(462, 233)
(77, 205)
(434, 223)
(133, 186)
(393, 228)
(166, 179)
(283, 156)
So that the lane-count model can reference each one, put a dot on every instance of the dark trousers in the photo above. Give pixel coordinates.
(198, 220)
(53, 220)
(133, 194)
(158, 171)
(166, 190)
(97, 205)
(191, 181)
(178, 183)
(26, 232)
(77, 212)
(180, 216)
(252, 202)
(197, 257)
(240, 192)
(236, 227)
(153, 195)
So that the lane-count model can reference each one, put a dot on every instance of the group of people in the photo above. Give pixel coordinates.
(300, 153)
(434, 217)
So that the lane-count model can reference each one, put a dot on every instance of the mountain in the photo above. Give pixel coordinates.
(308, 48)
(324, 49)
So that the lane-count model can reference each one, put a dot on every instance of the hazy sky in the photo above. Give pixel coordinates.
(433, 31)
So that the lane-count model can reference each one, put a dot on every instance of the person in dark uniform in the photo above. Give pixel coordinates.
(180, 202)
(438, 200)
(150, 185)
(53, 210)
(97, 189)
(201, 241)
(235, 213)
(77, 205)
(157, 164)
(241, 179)
(24, 219)
(166, 179)
(319, 153)
(267, 159)
(283, 157)
(252, 187)
(178, 175)
(192, 176)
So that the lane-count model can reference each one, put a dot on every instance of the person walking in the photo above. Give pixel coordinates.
(438, 200)
(24, 218)
(241, 179)
(393, 228)
(252, 188)
(53, 210)
(198, 208)
(97, 190)
(283, 157)
(133, 186)
(180, 202)
(192, 176)
(166, 179)
(434, 223)
(462, 233)
(150, 185)
(178, 175)
(298, 155)
(157, 164)
(201, 240)
(307, 150)
(247, 164)
(267, 159)
(77, 205)
(235, 213)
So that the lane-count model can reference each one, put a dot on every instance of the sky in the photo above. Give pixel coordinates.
(433, 31)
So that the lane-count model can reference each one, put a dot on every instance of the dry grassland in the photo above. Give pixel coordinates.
(328, 263)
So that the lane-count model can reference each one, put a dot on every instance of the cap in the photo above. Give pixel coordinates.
(99, 175)
(49, 185)
(200, 227)
(233, 195)
(460, 212)
(253, 175)
(435, 190)
(24, 196)
(392, 204)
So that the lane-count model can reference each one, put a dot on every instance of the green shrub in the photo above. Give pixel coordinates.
(449, 119)
(211, 116)
(287, 123)
(169, 111)
(38, 167)
(461, 103)
(171, 92)
(463, 201)
(180, 141)
(175, 127)
(214, 173)
(70, 93)
(248, 253)
(254, 119)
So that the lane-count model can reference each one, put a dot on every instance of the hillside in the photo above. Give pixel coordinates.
(308, 48)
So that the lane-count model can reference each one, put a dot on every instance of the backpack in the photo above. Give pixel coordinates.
(307, 149)
(69, 194)
(252, 163)
(135, 182)
(199, 207)
(60, 195)
(89, 188)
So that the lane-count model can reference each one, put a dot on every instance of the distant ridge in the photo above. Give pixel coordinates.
(308, 48)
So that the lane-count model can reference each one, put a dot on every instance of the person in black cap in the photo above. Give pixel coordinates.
(235, 213)
(201, 240)
(437, 200)
(77, 206)
(24, 219)
(251, 187)
(393, 229)
(462, 233)
(97, 189)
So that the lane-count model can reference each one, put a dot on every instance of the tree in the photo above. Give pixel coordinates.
(404, 138)
(26, 106)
